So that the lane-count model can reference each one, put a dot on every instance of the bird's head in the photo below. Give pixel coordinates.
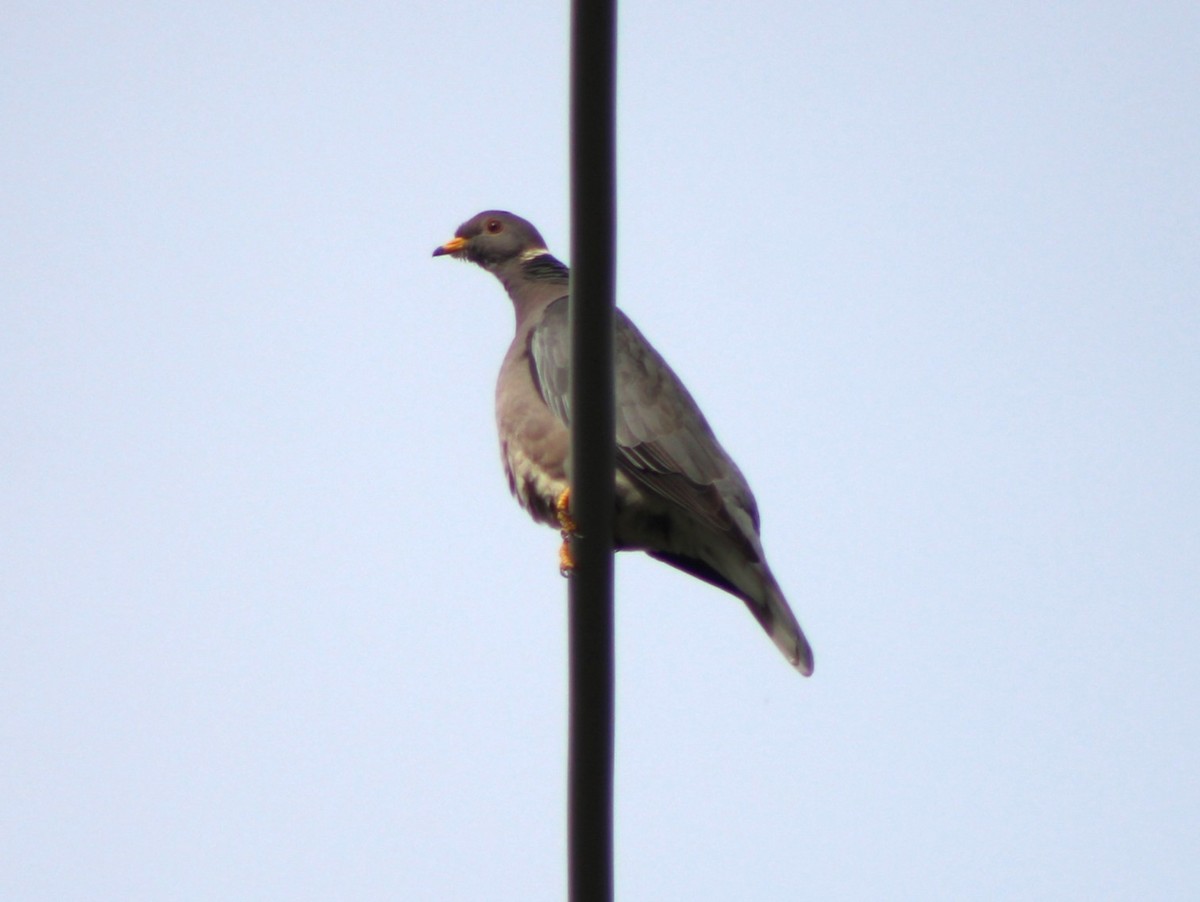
(494, 239)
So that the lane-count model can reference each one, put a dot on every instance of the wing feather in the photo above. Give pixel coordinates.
(664, 443)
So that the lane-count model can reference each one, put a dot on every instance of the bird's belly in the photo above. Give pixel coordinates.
(534, 452)
(535, 488)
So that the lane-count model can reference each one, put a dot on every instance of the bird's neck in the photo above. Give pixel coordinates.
(534, 283)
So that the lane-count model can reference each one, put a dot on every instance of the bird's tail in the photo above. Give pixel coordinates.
(776, 617)
(754, 585)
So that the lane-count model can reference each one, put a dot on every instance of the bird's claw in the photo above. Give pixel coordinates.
(562, 510)
(566, 560)
(570, 530)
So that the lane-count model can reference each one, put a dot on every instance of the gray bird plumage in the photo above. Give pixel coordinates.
(680, 497)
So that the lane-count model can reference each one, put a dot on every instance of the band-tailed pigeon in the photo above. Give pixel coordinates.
(680, 498)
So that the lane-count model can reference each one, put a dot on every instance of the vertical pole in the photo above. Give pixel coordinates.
(593, 443)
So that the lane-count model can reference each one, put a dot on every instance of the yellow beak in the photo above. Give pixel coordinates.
(453, 246)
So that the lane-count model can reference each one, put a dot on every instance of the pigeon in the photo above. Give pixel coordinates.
(679, 496)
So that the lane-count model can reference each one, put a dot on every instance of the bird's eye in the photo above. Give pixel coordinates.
(494, 226)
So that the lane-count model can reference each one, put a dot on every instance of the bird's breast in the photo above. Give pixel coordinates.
(534, 443)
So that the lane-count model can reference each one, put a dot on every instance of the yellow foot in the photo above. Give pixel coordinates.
(562, 508)
(566, 560)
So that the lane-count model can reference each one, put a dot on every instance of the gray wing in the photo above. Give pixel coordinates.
(664, 443)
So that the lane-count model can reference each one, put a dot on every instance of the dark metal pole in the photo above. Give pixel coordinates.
(593, 228)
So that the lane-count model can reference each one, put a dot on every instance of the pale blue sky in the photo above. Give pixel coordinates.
(272, 627)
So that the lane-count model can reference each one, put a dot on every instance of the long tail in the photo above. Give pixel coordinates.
(761, 595)
(781, 625)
